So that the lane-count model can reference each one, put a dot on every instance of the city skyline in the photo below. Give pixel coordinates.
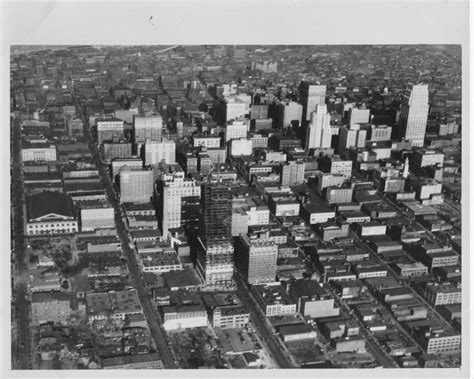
(236, 206)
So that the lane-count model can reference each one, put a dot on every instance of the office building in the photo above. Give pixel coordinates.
(414, 114)
(292, 173)
(257, 259)
(318, 131)
(359, 116)
(130, 163)
(147, 128)
(235, 107)
(216, 253)
(160, 151)
(310, 97)
(258, 111)
(236, 129)
(241, 146)
(289, 113)
(179, 201)
(136, 186)
(109, 129)
(96, 214)
(38, 152)
(353, 137)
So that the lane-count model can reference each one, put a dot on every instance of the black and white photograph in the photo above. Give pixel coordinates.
(189, 199)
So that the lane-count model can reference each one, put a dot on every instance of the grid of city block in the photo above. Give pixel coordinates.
(235, 207)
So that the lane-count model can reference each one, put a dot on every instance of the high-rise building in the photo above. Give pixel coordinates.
(259, 111)
(353, 137)
(235, 107)
(414, 114)
(216, 254)
(136, 186)
(237, 129)
(311, 96)
(179, 201)
(359, 116)
(147, 128)
(292, 173)
(109, 129)
(318, 132)
(158, 151)
(216, 204)
(288, 113)
(257, 259)
(241, 146)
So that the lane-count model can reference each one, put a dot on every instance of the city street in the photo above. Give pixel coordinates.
(273, 346)
(23, 347)
(152, 316)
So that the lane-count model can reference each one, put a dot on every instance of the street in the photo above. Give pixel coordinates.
(21, 355)
(274, 347)
(152, 316)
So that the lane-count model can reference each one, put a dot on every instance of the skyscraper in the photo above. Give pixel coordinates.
(414, 114)
(216, 205)
(258, 259)
(178, 196)
(292, 173)
(310, 96)
(318, 131)
(136, 186)
(216, 254)
(147, 128)
(157, 151)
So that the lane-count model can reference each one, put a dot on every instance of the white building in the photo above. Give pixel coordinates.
(235, 108)
(258, 216)
(132, 163)
(158, 151)
(237, 129)
(318, 133)
(184, 317)
(242, 146)
(147, 128)
(359, 116)
(414, 113)
(175, 187)
(289, 112)
(38, 152)
(96, 215)
(353, 137)
(207, 141)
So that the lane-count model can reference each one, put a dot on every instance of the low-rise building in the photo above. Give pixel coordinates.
(184, 316)
(273, 299)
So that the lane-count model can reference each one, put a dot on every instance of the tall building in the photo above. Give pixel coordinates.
(414, 114)
(136, 186)
(147, 128)
(216, 254)
(216, 205)
(318, 132)
(179, 200)
(353, 137)
(292, 173)
(288, 113)
(258, 259)
(237, 129)
(158, 151)
(109, 129)
(234, 108)
(359, 116)
(310, 97)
